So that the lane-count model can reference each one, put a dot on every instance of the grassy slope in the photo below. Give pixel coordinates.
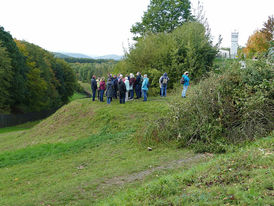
(74, 156)
(88, 151)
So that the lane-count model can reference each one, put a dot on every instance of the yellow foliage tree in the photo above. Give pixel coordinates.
(257, 44)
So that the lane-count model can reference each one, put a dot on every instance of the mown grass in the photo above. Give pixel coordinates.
(83, 118)
(71, 157)
(241, 178)
(20, 127)
(89, 153)
(77, 96)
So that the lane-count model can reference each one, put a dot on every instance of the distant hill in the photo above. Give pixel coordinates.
(60, 55)
(79, 55)
(110, 56)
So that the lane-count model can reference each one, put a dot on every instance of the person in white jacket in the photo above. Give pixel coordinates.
(127, 87)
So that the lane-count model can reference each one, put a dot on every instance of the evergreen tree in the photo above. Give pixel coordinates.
(19, 69)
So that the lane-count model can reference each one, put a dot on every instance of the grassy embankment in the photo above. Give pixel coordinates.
(91, 153)
(85, 152)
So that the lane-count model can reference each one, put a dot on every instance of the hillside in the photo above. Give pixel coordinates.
(92, 153)
(83, 153)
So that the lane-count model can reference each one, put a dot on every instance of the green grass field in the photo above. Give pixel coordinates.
(90, 153)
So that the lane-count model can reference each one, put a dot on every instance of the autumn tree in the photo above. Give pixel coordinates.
(163, 16)
(257, 44)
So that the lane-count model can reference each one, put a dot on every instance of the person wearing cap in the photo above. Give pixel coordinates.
(186, 84)
(145, 87)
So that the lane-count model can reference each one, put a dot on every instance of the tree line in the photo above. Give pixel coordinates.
(85, 71)
(31, 78)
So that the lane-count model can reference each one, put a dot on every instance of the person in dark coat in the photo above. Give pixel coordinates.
(110, 91)
(93, 87)
(138, 85)
(122, 90)
(115, 86)
(102, 89)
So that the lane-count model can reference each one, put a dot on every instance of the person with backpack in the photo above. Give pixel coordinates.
(122, 90)
(164, 80)
(102, 89)
(93, 87)
(185, 82)
(145, 86)
(110, 90)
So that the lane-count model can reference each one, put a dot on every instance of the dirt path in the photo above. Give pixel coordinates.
(138, 176)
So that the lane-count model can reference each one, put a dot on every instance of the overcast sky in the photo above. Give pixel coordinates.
(100, 27)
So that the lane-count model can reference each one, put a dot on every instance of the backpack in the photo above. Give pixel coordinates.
(182, 81)
(164, 81)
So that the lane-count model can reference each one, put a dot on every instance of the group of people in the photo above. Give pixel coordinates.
(120, 86)
(125, 87)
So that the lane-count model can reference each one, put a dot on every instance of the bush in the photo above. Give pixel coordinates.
(228, 108)
(187, 48)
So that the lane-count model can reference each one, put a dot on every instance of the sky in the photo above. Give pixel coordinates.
(102, 27)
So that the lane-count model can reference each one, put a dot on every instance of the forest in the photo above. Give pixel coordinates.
(31, 78)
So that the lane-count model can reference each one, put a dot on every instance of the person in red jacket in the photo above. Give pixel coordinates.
(102, 89)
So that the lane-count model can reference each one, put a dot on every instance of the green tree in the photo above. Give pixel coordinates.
(6, 75)
(186, 48)
(50, 81)
(37, 88)
(163, 16)
(66, 78)
(19, 69)
(194, 50)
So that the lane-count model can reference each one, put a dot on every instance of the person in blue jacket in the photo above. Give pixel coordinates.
(145, 87)
(186, 84)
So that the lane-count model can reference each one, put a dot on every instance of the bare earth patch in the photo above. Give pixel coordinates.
(139, 176)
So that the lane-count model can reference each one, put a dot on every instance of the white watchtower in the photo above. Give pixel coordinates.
(234, 44)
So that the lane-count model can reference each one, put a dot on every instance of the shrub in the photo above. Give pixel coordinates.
(228, 108)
